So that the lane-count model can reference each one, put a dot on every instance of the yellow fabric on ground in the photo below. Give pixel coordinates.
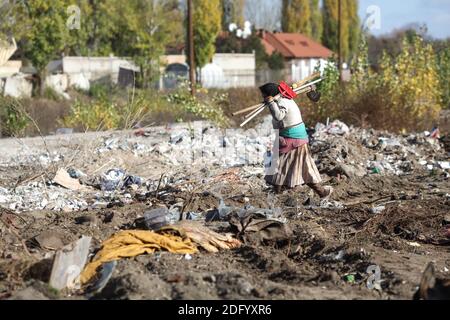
(131, 243)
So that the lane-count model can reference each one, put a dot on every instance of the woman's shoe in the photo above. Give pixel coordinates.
(278, 189)
(323, 192)
(327, 192)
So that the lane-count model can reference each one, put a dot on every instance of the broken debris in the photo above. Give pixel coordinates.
(64, 179)
(68, 264)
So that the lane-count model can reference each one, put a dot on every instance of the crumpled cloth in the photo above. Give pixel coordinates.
(183, 238)
(262, 228)
(131, 243)
(205, 238)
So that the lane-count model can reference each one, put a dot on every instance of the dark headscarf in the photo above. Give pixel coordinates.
(269, 89)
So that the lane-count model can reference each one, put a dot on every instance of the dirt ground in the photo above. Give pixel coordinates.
(327, 244)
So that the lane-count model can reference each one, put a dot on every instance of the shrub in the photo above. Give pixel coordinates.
(136, 110)
(208, 110)
(144, 107)
(95, 115)
(13, 118)
(51, 94)
(100, 91)
(405, 94)
(275, 61)
(412, 86)
(443, 61)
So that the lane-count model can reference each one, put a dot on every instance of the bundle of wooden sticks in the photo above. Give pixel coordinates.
(303, 86)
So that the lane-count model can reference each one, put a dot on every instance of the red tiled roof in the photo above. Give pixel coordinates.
(294, 45)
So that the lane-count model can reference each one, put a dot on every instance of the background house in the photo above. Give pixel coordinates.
(12, 82)
(301, 53)
(226, 70)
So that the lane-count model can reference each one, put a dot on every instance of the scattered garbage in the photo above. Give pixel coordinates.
(333, 257)
(115, 179)
(39, 196)
(414, 244)
(112, 179)
(431, 287)
(50, 240)
(377, 210)
(364, 152)
(175, 239)
(207, 239)
(69, 263)
(75, 174)
(106, 272)
(64, 179)
(444, 165)
(263, 228)
(339, 150)
(156, 219)
(220, 213)
(350, 278)
(335, 128)
(131, 243)
(229, 179)
(330, 204)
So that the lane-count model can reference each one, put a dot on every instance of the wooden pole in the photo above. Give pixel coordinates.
(192, 78)
(296, 85)
(300, 90)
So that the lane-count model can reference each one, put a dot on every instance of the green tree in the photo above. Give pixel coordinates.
(330, 24)
(354, 31)
(99, 20)
(345, 31)
(296, 17)
(443, 61)
(316, 20)
(361, 75)
(275, 61)
(207, 18)
(12, 24)
(329, 88)
(233, 12)
(47, 33)
(349, 26)
(232, 43)
(143, 30)
(411, 84)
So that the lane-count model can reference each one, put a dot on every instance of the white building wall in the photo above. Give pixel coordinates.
(230, 70)
(96, 68)
(302, 68)
(10, 68)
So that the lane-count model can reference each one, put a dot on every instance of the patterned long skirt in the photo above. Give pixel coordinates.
(295, 168)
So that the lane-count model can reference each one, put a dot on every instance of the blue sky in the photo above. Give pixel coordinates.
(398, 13)
(395, 14)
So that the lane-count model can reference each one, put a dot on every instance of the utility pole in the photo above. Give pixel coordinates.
(191, 47)
(340, 60)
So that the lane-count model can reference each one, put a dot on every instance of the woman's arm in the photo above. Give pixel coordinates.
(277, 110)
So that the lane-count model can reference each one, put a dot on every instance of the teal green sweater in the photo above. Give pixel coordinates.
(298, 132)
